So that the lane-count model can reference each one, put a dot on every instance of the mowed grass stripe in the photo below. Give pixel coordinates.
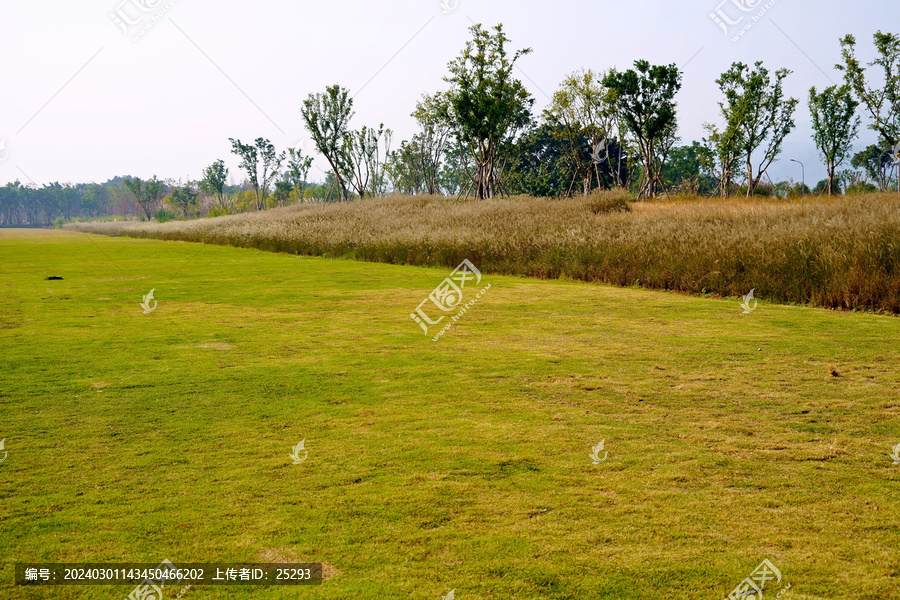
(458, 464)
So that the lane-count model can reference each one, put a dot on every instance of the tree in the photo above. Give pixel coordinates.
(185, 199)
(486, 104)
(214, 179)
(539, 163)
(154, 190)
(456, 166)
(282, 193)
(876, 162)
(136, 187)
(582, 115)
(94, 200)
(720, 153)
(790, 189)
(249, 162)
(252, 157)
(47, 201)
(434, 131)
(835, 126)
(822, 186)
(10, 204)
(882, 104)
(362, 159)
(271, 163)
(404, 167)
(722, 150)
(684, 170)
(327, 118)
(645, 100)
(763, 114)
(297, 169)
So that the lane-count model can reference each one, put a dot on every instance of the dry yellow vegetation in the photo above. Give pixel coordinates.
(842, 252)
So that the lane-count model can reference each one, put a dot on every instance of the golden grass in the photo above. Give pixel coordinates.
(842, 252)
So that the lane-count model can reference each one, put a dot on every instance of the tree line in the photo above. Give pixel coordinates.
(479, 139)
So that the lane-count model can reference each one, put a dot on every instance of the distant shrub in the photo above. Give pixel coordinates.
(218, 212)
(765, 190)
(162, 216)
(861, 188)
(602, 202)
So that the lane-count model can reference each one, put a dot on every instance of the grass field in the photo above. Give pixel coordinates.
(460, 464)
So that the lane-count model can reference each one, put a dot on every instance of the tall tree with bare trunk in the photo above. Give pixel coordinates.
(327, 118)
(835, 126)
(645, 98)
(486, 104)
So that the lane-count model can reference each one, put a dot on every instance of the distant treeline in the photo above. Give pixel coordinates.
(34, 206)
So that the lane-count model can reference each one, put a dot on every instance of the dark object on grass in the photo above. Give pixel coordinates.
(54, 277)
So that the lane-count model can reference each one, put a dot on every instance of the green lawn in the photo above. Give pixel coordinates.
(457, 464)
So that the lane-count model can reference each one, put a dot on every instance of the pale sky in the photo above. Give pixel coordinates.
(82, 101)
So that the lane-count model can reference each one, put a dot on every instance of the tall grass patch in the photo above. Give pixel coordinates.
(839, 253)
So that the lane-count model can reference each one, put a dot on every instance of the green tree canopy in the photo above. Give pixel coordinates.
(835, 126)
(327, 118)
(762, 114)
(486, 105)
(645, 99)
(215, 176)
(881, 103)
(583, 110)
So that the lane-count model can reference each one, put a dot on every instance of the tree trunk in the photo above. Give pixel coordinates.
(649, 176)
(751, 188)
(484, 180)
(725, 182)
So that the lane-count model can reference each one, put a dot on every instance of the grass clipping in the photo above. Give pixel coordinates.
(841, 253)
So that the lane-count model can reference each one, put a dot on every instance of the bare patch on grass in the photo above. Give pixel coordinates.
(284, 554)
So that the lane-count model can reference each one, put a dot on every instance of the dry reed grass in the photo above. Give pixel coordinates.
(842, 252)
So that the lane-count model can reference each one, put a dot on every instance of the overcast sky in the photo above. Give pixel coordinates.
(160, 92)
